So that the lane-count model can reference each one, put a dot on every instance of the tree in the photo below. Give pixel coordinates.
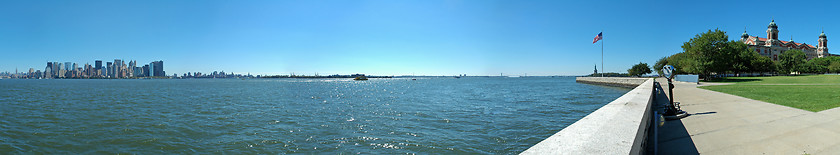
(763, 64)
(639, 69)
(743, 57)
(816, 65)
(683, 64)
(822, 65)
(709, 53)
(659, 64)
(834, 67)
(792, 61)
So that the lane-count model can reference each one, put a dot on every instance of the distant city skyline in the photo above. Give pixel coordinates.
(72, 70)
(384, 37)
(116, 69)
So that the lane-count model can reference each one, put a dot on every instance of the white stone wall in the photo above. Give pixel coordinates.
(619, 127)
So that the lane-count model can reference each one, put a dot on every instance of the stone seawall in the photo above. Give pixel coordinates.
(626, 82)
(620, 127)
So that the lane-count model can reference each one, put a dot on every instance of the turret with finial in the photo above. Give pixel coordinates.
(773, 31)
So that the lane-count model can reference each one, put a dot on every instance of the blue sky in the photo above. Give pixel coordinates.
(385, 37)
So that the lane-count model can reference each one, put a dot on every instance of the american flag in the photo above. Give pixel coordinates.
(598, 37)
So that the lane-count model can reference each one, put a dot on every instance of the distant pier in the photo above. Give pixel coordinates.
(626, 82)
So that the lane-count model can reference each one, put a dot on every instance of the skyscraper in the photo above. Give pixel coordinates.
(152, 69)
(98, 64)
(118, 68)
(61, 69)
(48, 70)
(158, 68)
(109, 70)
(68, 65)
(146, 71)
(98, 67)
(48, 73)
(88, 70)
(55, 68)
(131, 65)
(138, 71)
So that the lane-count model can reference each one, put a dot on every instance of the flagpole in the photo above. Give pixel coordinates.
(602, 54)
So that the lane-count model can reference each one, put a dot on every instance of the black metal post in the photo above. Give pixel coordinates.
(672, 110)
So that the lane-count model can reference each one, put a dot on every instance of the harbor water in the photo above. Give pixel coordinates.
(475, 115)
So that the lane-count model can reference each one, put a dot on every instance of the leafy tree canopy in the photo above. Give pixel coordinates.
(659, 64)
(792, 61)
(639, 69)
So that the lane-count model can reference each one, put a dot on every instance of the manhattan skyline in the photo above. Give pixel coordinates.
(384, 37)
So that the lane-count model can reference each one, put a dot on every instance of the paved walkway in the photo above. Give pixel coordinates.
(727, 124)
(775, 84)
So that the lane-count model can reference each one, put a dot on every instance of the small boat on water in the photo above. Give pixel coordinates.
(360, 78)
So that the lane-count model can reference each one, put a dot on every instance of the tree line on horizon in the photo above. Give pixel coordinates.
(712, 55)
(637, 70)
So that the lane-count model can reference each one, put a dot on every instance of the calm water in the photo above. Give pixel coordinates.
(427, 116)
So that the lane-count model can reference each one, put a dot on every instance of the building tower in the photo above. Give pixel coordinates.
(772, 31)
(822, 46)
(109, 69)
(152, 69)
(156, 68)
(146, 70)
(48, 71)
(98, 64)
(118, 68)
(744, 36)
(61, 69)
(130, 69)
(98, 68)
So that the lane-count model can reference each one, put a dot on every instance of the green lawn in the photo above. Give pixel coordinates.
(813, 93)
(808, 79)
